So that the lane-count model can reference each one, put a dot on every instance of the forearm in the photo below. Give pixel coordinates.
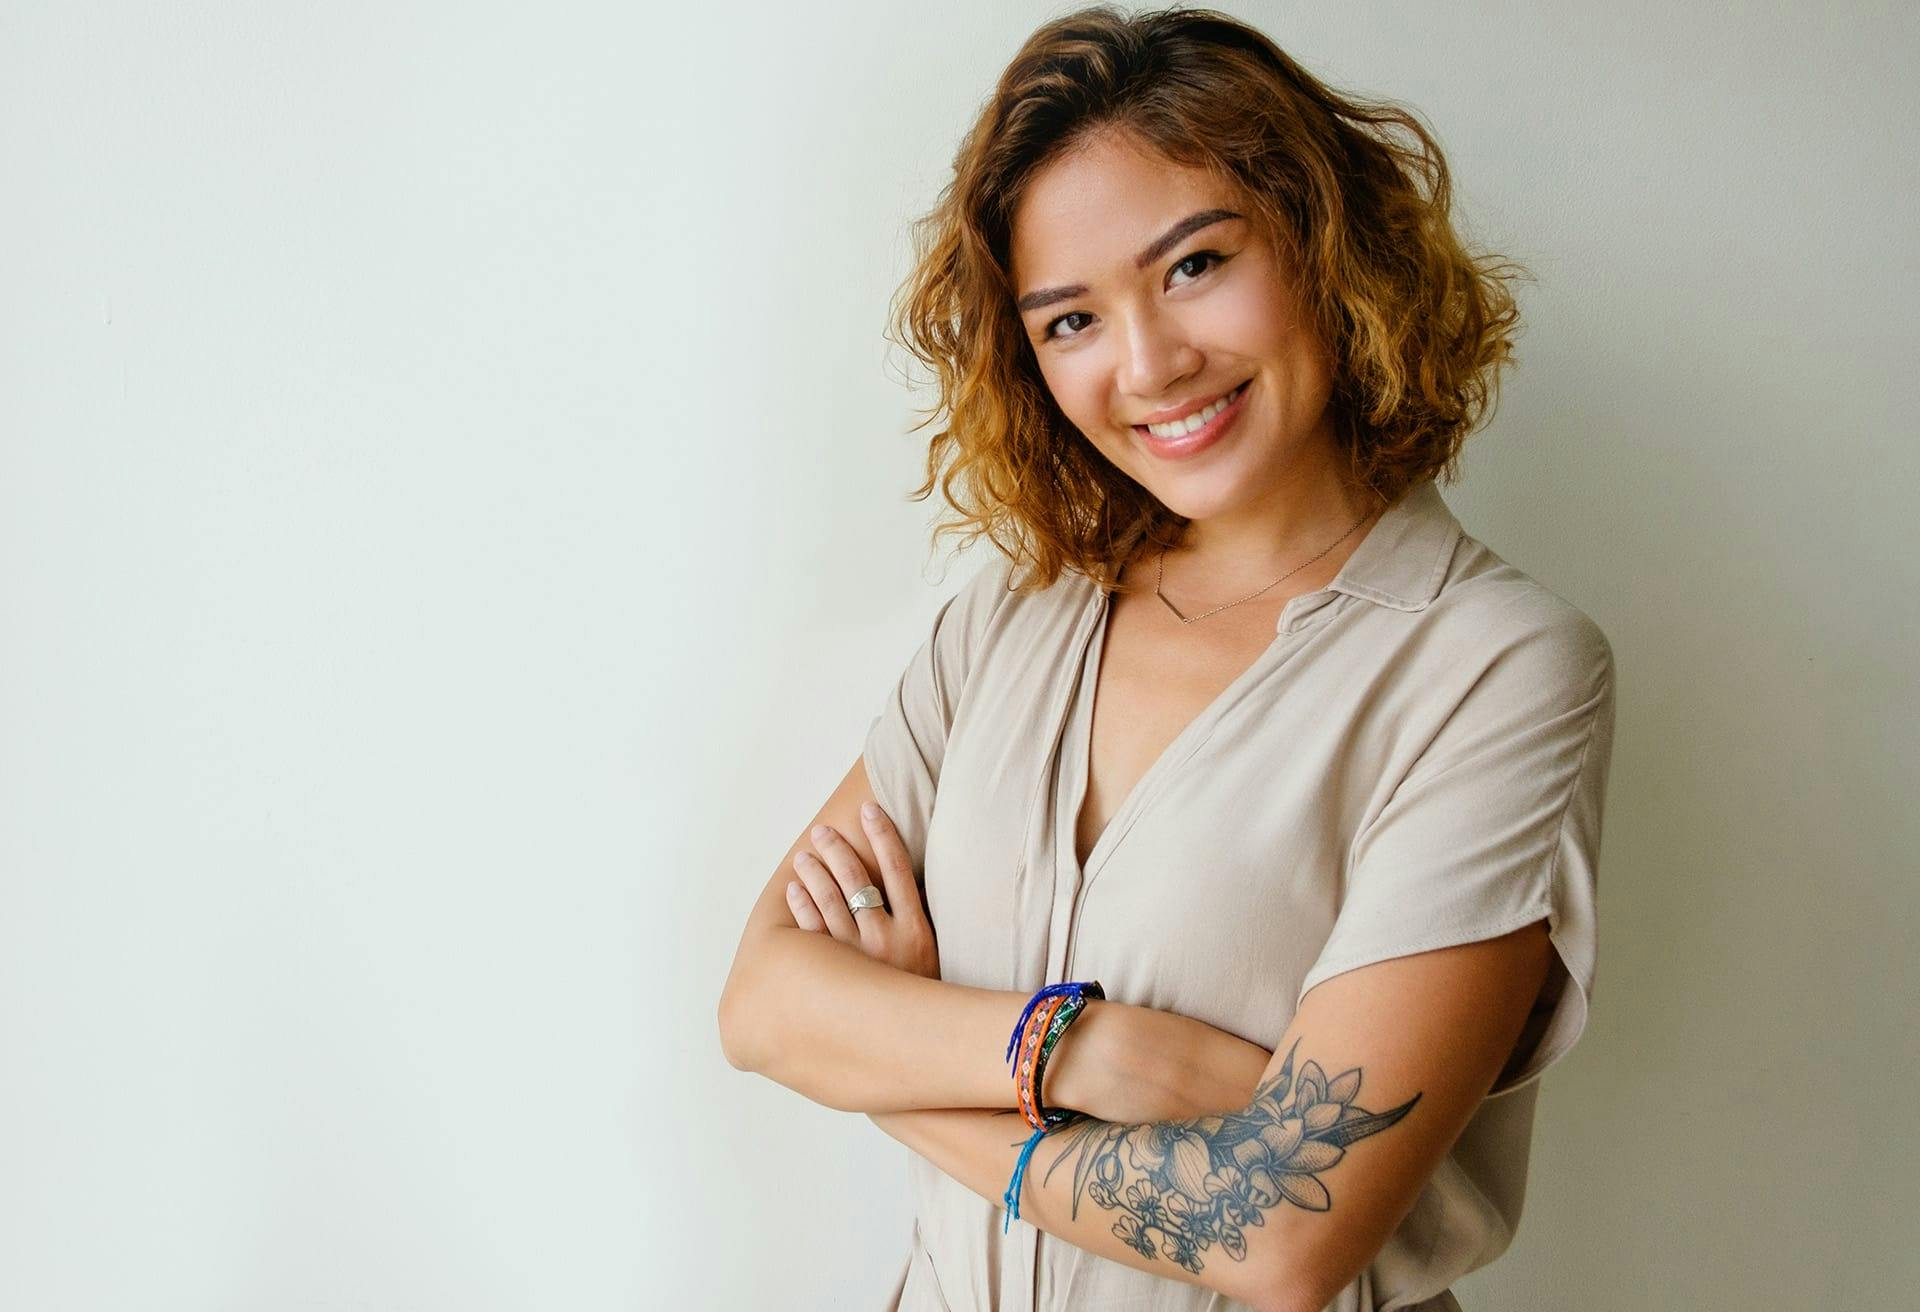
(844, 1030)
(1085, 1185)
(854, 1034)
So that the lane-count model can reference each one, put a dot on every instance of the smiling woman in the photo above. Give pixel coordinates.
(1243, 727)
(1172, 190)
(1201, 334)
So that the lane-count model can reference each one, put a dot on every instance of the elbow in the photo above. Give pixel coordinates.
(1287, 1298)
(745, 1041)
(1299, 1286)
(1291, 1301)
(736, 1035)
(743, 1006)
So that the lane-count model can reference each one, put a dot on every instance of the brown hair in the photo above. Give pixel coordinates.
(1416, 325)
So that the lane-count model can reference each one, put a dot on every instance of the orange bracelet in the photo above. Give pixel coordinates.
(1046, 1017)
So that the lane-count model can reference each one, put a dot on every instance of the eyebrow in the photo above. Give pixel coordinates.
(1166, 241)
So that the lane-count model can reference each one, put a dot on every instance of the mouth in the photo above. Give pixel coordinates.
(1186, 442)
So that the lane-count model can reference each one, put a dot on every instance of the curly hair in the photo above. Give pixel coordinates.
(1416, 325)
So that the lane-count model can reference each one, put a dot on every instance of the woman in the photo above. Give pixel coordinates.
(1309, 780)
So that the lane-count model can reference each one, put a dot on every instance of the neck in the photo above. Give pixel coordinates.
(1267, 537)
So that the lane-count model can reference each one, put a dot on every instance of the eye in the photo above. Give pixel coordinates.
(1049, 334)
(1206, 259)
(1213, 258)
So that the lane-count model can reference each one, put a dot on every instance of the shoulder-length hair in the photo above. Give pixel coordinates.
(1416, 326)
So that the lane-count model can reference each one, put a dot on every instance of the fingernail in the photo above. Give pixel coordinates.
(871, 810)
(820, 833)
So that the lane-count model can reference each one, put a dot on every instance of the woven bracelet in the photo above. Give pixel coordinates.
(1026, 1077)
(1051, 1010)
(1045, 1116)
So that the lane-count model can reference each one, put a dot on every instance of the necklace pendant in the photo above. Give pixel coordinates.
(1170, 606)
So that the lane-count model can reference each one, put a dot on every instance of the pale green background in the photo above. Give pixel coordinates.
(452, 537)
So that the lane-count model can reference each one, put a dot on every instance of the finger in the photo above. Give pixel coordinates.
(896, 863)
(849, 869)
(827, 898)
(805, 913)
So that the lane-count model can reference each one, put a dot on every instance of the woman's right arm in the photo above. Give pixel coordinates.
(850, 1032)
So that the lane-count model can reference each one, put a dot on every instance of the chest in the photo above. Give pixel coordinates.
(1213, 800)
(1151, 677)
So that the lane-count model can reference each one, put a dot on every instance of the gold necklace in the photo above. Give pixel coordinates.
(1161, 571)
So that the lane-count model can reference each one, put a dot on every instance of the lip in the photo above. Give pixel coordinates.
(1174, 412)
(1178, 448)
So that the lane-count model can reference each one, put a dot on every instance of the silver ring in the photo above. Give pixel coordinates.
(866, 897)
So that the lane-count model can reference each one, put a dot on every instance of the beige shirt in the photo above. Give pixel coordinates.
(1419, 759)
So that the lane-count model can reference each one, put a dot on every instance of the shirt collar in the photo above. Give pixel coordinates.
(1403, 559)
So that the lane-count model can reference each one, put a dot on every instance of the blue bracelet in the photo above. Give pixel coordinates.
(1085, 991)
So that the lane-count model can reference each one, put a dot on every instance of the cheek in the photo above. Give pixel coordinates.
(1259, 318)
(1264, 326)
(1080, 393)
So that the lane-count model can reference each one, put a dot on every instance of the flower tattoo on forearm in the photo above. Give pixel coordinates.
(1183, 1186)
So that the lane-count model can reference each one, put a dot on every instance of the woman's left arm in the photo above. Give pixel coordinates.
(1281, 1202)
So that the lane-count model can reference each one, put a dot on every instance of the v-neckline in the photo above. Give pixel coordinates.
(1182, 746)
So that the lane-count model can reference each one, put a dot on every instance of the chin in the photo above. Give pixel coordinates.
(1201, 494)
(1195, 507)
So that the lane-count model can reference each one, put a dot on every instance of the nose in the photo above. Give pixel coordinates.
(1158, 355)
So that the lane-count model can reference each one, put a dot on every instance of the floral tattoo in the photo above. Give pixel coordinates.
(1201, 1182)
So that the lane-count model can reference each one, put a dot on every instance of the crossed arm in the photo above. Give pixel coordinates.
(1271, 1178)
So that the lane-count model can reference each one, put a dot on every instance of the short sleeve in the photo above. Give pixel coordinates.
(1495, 825)
(907, 741)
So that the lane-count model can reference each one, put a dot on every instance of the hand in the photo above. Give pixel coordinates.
(896, 932)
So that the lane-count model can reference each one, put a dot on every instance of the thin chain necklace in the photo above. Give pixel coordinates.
(1161, 570)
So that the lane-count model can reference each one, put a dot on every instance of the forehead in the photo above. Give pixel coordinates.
(1095, 207)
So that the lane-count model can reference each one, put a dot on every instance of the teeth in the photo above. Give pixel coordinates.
(1198, 419)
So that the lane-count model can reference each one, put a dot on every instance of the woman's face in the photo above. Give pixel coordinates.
(1139, 297)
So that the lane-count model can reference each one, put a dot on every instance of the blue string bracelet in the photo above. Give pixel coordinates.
(1012, 1197)
(1078, 994)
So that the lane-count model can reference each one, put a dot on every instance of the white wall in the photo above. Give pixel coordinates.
(452, 535)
